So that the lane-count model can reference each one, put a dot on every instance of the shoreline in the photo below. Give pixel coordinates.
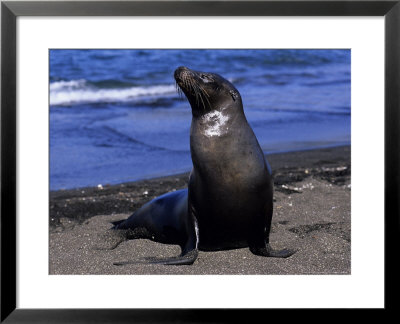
(331, 163)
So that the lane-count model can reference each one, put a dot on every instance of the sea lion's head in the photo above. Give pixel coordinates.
(206, 91)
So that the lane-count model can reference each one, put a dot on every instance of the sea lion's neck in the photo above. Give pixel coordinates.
(215, 123)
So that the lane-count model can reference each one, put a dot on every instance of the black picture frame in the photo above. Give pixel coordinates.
(10, 10)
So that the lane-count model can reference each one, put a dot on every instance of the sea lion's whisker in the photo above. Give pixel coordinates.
(208, 101)
(204, 90)
(206, 95)
(201, 98)
(200, 93)
(180, 91)
(194, 88)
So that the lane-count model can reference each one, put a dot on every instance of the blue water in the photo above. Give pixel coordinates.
(115, 115)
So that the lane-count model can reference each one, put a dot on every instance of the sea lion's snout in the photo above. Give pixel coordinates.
(181, 69)
(181, 73)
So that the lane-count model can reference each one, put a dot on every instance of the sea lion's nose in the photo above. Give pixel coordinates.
(179, 72)
(182, 68)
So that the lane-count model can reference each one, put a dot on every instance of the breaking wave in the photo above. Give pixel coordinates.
(81, 91)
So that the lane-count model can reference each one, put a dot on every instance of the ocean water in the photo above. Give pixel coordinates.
(115, 115)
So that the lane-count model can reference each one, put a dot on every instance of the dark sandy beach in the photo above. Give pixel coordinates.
(311, 214)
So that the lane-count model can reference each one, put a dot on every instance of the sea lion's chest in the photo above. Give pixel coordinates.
(231, 162)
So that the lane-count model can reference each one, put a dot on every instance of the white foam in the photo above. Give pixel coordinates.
(78, 91)
(67, 85)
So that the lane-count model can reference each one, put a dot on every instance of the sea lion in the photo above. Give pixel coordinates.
(229, 200)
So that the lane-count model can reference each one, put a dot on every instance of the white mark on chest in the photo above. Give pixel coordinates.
(215, 122)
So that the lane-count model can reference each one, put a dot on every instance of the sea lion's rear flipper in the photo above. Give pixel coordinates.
(268, 251)
(183, 259)
(188, 245)
(189, 251)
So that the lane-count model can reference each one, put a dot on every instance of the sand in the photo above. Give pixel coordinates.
(311, 214)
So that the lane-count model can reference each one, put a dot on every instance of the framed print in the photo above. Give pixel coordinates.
(93, 129)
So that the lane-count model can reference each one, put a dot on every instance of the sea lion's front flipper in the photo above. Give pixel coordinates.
(189, 244)
(268, 251)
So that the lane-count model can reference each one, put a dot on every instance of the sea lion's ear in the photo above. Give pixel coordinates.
(233, 94)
